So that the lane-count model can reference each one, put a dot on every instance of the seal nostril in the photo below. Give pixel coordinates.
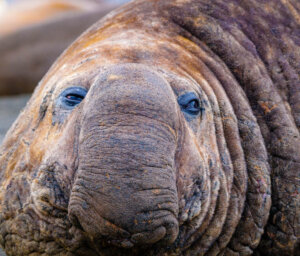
(74, 220)
(149, 237)
(45, 198)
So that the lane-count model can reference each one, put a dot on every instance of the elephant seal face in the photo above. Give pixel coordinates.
(122, 148)
(127, 185)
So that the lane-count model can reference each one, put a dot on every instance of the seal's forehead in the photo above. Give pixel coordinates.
(123, 38)
(126, 47)
(116, 40)
(127, 73)
(86, 66)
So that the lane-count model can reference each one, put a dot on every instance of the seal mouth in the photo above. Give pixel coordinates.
(132, 245)
(158, 227)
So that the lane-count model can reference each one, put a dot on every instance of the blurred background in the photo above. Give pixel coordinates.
(33, 33)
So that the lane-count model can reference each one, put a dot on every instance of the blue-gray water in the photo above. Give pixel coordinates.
(10, 108)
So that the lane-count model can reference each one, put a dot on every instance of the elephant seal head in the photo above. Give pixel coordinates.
(141, 141)
(122, 164)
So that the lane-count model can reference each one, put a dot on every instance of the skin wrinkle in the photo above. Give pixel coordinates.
(101, 149)
(152, 210)
(274, 81)
(110, 222)
(109, 177)
(120, 124)
(189, 234)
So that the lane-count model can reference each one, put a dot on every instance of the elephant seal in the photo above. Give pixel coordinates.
(168, 128)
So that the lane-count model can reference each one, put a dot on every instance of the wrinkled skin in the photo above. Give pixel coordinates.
(128, 172)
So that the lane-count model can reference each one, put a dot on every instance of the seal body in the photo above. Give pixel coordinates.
(167, 128)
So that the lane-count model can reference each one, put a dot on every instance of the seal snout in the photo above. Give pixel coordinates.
(124, 193)
(101, 231)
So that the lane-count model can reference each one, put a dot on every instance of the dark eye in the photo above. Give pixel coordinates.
(72, 96)
(190, 103)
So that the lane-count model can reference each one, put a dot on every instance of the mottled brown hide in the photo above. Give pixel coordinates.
(138, 138)
(129, 170)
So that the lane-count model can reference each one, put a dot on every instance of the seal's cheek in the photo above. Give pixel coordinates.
(52, 180)
(193, 177)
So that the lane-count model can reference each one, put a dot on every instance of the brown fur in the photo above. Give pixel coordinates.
(108, 178)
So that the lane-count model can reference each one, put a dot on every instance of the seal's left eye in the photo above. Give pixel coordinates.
(72, 96)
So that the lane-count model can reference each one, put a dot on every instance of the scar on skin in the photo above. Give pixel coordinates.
(266, 108)
(113, 77)
(156, 191)
(225, 118)
(256, 167)
(111, 225)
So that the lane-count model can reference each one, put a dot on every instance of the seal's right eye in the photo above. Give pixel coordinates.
(72, 96)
